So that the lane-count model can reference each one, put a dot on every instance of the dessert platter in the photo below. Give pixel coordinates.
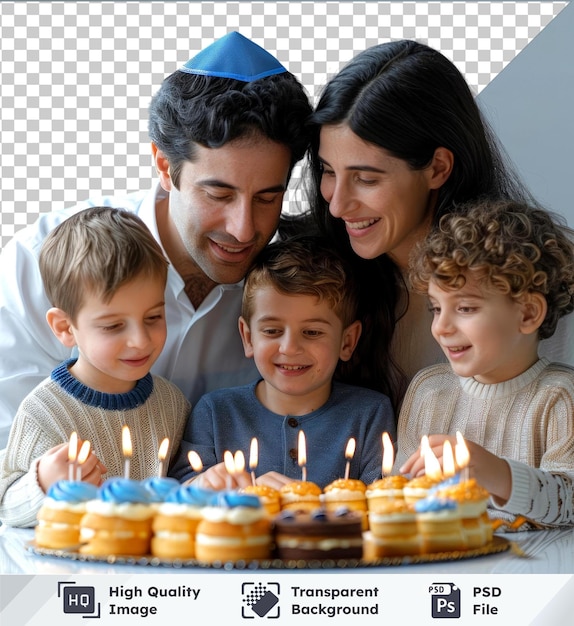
(161, 523)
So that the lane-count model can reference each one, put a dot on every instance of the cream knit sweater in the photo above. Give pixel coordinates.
(529, 421)
(153, 410)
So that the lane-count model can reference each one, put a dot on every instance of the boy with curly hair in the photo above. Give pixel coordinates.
(498, 278)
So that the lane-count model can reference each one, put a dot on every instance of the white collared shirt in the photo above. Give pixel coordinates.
(203, 350)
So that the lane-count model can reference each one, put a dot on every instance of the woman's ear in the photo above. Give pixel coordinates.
(61, 326)
(245, 333)
(440, 167)
(534, 309)
(162, 167)
(351, 336)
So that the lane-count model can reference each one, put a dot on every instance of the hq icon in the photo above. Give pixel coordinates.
(445, 600)
(79, 599)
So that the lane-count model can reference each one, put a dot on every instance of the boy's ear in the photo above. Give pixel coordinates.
(162, 167)
(351, 336)
(245, 333)
(61, 326)
(534, 309)
(440, 167)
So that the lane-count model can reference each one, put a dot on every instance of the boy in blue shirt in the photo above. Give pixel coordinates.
(299, 322)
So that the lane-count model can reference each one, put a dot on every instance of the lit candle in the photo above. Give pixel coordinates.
(161, 454)
(72, 454)
(432, 464)
(82, 457)
(462, 456)
(448, 466)
(425, 445)
(388, 454)
(238, 462)
(195, 461)
(196, 464)
(302, 454)
(229, 463)
(349, 452)
(253, 458)
(127, 450)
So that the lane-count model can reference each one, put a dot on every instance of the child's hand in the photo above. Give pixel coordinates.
(273, 479)
(53, 466)
(415, 464)
(218, 478)
(489, 470)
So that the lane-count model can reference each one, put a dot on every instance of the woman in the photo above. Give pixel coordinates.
(398, 142)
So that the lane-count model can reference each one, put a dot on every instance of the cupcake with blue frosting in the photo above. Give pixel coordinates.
(61, 512)
(439, 524)
(159, 488)
(119, 521)
(175, 523)
(234, 527)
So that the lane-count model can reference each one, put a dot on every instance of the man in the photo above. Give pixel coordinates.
(226, 130)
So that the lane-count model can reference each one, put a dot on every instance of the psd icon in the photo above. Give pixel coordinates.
(260, 600)
(445, 600)
(79, 599)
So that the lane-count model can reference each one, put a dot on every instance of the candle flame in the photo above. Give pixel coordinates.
(425, 445)
(126, 442)
(253, 454)
(302, 451)
(163, 447)
(229, 462)
(195, 461)
(350, 449)
(388, 454)
(239, 461)
(84, 452)
(432, 464)
(73, 447)
(448, 466)
(461, 452)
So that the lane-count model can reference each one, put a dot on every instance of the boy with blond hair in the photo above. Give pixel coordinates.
(105, 276)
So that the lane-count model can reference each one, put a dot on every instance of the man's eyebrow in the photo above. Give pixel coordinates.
(214, 182)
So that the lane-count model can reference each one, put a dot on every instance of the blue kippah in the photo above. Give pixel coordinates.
(234, 56)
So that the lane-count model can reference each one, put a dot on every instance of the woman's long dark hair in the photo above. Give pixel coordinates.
(409, 99)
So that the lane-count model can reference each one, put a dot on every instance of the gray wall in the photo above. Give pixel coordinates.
(530, 105)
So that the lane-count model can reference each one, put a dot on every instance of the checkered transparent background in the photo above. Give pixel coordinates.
(77, 77)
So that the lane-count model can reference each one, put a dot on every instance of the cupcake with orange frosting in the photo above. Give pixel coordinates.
(300, 495)
(472, 500)
(385, 489)
(419, 487)
(270, 497)
(347, 492)
(393, 530)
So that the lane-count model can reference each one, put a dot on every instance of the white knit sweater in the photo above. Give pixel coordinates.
(529, 421)
(155, 409)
